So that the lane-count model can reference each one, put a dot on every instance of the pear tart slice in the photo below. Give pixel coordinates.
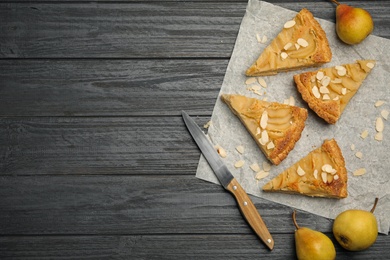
(301, 43)
(274, 126)
(321, 173)
(328, 91)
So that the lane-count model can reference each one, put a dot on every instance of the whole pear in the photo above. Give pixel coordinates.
(355, 229)
(311, 244)
(353, 24)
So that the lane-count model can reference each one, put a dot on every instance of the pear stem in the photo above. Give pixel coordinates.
(336, 2)
(373, 208)
(294, 220)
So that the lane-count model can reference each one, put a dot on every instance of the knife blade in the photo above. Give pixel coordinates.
(228, 181)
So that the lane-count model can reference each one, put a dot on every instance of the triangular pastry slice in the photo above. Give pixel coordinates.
(321, 173)
(301, 43)
(274, 126)
(327, 91)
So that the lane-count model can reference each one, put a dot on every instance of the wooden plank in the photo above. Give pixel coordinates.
(113, 145)
(135, 30)
(207, 246)
(131, 205)
(109, 87)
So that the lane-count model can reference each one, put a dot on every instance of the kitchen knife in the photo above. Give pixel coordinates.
(228, 181)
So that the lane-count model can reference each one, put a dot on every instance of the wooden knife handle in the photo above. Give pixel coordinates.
(250, 213)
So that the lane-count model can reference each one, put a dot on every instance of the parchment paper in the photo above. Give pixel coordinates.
(227, 131)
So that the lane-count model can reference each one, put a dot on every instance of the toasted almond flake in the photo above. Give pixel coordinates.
(258, 131)
(324, 90)
(258, 37)
(325, 81)
(343, 91)
(264, 39)
(379, 103)
(266, 166)
(379, 126)
(221, 152)
(333, 171)
(287, 46)
(262, 82)
(255, 167)
(270, 145)
(336, 98)
(379, 136)
(341, 71)
(250, 81)
(289, 24)
(258, 93)
(291, 101)
(264, 120)
(385, 114)
(324, 177)
(359, 155)
(352, 147)
(255, 88)
(325, 97)
(297, 46)
(327, 168)
(207, 125)
(336, 177)
(261, 175)
(261, 141)
(286, 101)
(370, 65)
(240, 149)
(337, 80)
(320, 75)
(264, 137)
(300, 171)
(364, 134)
(284, 55)
(239, 164)
(315, 173)
(316, 92)
(302, 42)
(359, 172)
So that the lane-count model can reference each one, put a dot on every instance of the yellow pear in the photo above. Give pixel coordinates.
(353, 24)
(355, 229)
(311, 244)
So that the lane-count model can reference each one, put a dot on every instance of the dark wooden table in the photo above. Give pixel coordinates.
(95, 162)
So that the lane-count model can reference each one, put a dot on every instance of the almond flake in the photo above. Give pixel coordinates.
(289, 24)
(352, 147)
(324, 177)
(284, 55)
(336, 98)
(261, 175)
(364, 134)
(262, 82)
(379, 136)
(297, 46)
(255, 167)
(264, 39)
(359, 155)
(264, 120)
(379, 126)
(300, 171)
(324, 90)
(240, 149)
(315, 173)
(370, 65)
(337, 80)
(341, 71)
(302, 42)
(291, 101)
(264, 136)
(239, 164)
(336, 177)
(258, 38)
(320, 75)
(359, 172)
(385, 114)
(287, 46)
(270, 145)
(327, 168)
(266, 166)
(325, 81)
(258, 131)
(221, 151)
(250, 81)
(325, 97)
(316, 92)
(379, 103)
(207, 125)
(343, 91)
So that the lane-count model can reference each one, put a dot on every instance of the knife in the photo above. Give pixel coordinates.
(228, 181)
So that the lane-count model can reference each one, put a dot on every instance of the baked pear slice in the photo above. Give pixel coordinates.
(301, 43)
(321, 173)
(275, 127)
(327, 91)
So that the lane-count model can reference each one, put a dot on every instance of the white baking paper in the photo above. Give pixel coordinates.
(264, 19)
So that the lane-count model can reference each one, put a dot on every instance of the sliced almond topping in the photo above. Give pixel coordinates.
(266, 166)
(300, 171)
(221, 152)
(359, 155)
(329, 178)
(289, 24)
(207, 125)
(302, 42)
(240, 149)
(379, 136)
(288, 46)
(336, 98)
(364, 134)
(337, 80)
(379, 103)
(324, 90)
(291, 101)
(385, 114)
(343, 91)
(315, 173)
(325, 97)
(325, 81)
(341, 71)
(359, 172)
(255, 167)
(352, 147)
(316, 92)
(264, 137)
(324, 177)
(264, 39)
(297, 46)
(258, 131)
(261, 175)
(262, 82)
(284, 55)
(336, 177)
(333, 171)
(327, 168)
(258, 37)
(239, 164)
(250, 81)
(379, 126)
(264, 120)
(370, 65)
(270, 145)
(320, 75)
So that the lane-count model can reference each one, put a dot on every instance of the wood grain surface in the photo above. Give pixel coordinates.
(95, 161)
